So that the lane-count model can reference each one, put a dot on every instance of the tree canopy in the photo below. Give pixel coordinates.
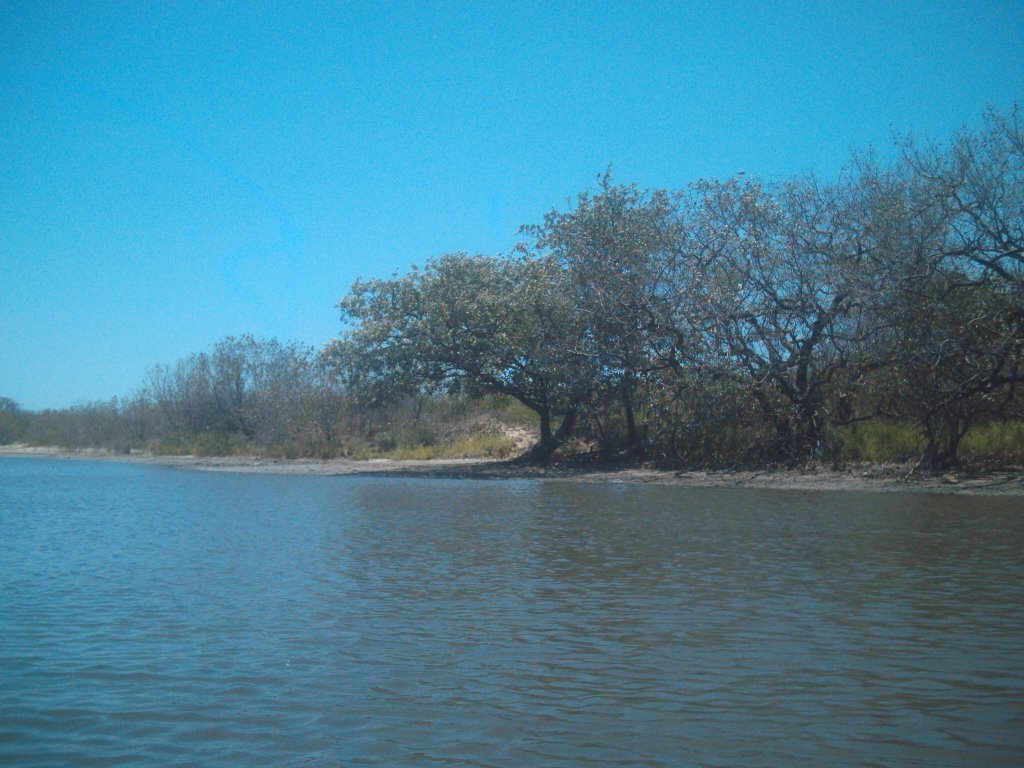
(472, 324)
(894, 292)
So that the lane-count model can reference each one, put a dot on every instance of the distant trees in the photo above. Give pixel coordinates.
(13, 422)
(248, 391)
(246, 394)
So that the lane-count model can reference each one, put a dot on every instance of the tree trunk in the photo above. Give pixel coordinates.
(633, 439)
(943, 443)
(548, 443)
(798, 433)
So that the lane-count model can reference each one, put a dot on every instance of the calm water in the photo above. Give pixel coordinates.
(155, 617)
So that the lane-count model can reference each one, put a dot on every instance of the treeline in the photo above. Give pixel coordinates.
(244, 394)
(258, 396)
(732, 322)
(738, 321)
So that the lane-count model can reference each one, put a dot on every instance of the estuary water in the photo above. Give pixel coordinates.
(158, 617)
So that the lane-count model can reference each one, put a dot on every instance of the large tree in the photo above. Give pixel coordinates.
(771, 302)
(613, 247)
(475, 324)
(947, 224)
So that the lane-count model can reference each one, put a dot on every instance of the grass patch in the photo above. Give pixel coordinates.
(888, 442)
(999, 440)
(475, 447)
(879, 441)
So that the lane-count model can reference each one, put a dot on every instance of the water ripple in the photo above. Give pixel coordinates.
(158, 617)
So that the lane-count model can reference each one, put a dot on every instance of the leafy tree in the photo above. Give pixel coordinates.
(612, 246)
(471, 324)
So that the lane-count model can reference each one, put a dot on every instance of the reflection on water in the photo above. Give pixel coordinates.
(150, 616)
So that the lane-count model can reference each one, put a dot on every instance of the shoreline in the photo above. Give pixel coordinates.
(878, 478)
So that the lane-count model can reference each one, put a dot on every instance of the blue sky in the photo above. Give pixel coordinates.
(174, 173)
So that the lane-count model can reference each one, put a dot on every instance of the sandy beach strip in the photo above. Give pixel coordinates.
(861, 477)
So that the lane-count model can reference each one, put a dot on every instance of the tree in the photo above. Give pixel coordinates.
(184, 397)
(260, 386)
(951, 243)
(612, 247)
(13, 422)
(471, 324)
(246, 388)
(772, 302)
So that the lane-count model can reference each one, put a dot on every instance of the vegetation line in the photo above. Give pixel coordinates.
(879, 317)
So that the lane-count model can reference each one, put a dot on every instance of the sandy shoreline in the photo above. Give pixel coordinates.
(871, 478)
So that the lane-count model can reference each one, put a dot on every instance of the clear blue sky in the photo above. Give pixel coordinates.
(173, 173)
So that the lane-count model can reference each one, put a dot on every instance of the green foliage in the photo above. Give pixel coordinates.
(879, 441)
(697, 419)
(995, 441)
(13, 422)
(505, 409)
(884, 441)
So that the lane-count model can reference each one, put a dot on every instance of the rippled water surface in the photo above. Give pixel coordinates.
(156, 617)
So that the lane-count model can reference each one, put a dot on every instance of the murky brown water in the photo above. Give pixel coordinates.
(167, 618)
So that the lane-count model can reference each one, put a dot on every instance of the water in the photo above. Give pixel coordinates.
(156, 617)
